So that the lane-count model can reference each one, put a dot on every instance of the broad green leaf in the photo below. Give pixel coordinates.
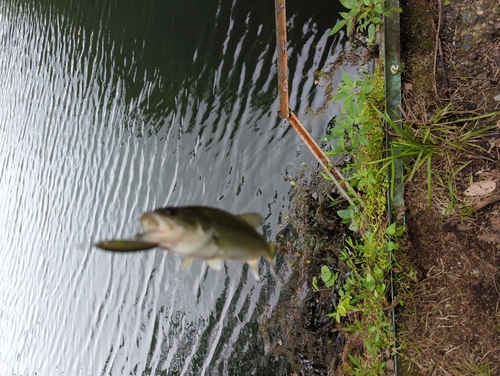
(337, 132)
(391, 230)
(352, 226)
(347, 80)
(370, 282)
(349, 24)
(349, 4)
(361, 118)
(338, 96)
(378, 272)
(339, 25)
(391, 246)
(381, 288)
(353, 12)
(371, 32)
(332, 280)
(326, 273)
(346, 214)
(342, 311)
(362, 140)
(315, 284)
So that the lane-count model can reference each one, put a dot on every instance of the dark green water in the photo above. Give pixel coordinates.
(112, 108)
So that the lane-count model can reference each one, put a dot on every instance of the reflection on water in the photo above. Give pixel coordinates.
(111, 108)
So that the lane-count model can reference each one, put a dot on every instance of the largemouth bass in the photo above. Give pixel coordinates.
(200, 232)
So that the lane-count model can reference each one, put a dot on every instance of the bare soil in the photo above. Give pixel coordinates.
(451, 320)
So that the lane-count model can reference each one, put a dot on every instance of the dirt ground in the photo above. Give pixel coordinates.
(451, 322)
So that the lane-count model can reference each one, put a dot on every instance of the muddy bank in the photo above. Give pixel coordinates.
(451, 320)
(298, 328)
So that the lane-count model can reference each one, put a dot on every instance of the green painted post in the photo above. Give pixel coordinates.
(392, 57)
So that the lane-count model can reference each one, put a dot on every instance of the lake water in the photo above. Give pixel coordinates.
(109, 108)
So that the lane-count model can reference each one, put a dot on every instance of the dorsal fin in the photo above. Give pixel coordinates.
(253, 219)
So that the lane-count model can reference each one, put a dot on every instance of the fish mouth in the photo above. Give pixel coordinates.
(152, 222)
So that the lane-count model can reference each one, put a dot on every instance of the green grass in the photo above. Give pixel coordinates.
(363, 305)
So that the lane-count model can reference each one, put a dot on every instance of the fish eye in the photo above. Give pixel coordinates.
(168, 211)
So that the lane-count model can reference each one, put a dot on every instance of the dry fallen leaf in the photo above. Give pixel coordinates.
(481, 188)
(490, 238)
(495, 223)
(494, 143)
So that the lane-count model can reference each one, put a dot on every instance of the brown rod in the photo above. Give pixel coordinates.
(331, 170)
(279, 7)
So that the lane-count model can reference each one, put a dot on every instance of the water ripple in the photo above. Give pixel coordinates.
(110, 109)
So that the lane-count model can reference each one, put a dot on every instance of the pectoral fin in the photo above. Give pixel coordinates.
(187, 262)
(125, 245)
(254, 267)
(215, 264)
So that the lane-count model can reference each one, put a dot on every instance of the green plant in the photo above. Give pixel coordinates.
(327, 276)
(343, 306)
(359, 133)
(364, 16)
(440, 137)
(347, 133)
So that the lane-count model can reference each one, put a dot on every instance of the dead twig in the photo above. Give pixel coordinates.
(438, 49)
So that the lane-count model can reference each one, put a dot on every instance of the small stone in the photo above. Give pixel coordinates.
(497, 25)
(467, 47)
(481, 20)
(497, 97)
(474, 19)
(485, 6)
(482, 76)
(466, 16)
(468, 38)
(486, 84)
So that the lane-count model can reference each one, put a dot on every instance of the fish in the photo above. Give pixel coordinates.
(200, 232)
